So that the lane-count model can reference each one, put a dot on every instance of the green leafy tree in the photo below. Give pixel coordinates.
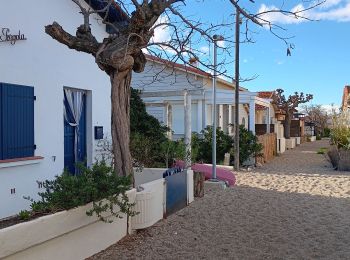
(148, 136)
(143, 123)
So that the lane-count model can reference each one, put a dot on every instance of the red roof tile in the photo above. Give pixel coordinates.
(265, 94)
(259, 107)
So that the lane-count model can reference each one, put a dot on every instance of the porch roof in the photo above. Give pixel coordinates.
(223, 97)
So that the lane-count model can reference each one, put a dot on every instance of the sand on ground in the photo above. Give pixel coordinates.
(295, 207)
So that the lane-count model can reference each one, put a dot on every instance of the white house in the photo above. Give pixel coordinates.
(43, 84)
(36, 139)
(163, 84)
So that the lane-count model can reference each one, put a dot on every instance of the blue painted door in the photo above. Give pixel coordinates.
(69, 141)
(176, 192)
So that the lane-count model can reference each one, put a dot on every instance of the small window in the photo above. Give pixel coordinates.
(16, 121)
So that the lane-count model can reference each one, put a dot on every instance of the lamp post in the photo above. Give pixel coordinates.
(236, 150)
(216, 38)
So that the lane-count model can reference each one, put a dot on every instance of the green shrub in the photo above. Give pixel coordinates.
(224, 144)
(98, 185)
(172, 150)
(202, 147)
(147, 135)
(248, 145)
(24, 215)
(340, 133)
(143, 123)
(326, 132)
(144, 150)
(322, 150)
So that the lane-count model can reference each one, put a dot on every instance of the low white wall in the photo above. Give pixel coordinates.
(150, 204)
(148, 174)
(65, 235)
(281, 145)
(279, 130)
(151, 199)
(190, 187)
(297, 140)
(74, 235)
(312, 138)
(290, 143)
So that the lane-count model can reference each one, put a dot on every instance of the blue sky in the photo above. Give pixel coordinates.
(320, 62)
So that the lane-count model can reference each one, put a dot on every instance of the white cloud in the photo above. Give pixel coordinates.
(333, 10)
(340, 14)
(204, 50)
(278, 17)
(330, 108)
(161, 33)
(330, 3)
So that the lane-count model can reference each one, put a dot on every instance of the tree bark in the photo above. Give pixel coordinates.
(120, 100)
(287, 123)
(198, 182)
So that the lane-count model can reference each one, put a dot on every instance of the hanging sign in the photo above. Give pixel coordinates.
(7, 36)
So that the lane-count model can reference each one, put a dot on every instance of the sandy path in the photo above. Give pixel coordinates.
(295, 207)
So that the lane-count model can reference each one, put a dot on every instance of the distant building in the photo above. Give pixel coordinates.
(163, 84)
(345, 106)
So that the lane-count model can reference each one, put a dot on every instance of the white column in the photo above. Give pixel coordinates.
(268, 120)
(209, 109)
(187, 107)
(221, 117)
(169, 120)
(252, 116)
(199, 116)
(230, 119)
(190, 187)
(204, 115)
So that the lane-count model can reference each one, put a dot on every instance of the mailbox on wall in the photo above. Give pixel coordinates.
(98, 132)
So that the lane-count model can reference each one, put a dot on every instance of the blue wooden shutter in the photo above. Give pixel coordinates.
(17, 121)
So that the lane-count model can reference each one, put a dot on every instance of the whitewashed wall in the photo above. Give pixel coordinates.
(260, 116)
(243, 116)
(157, 112)
(47, 65)
(178, 122)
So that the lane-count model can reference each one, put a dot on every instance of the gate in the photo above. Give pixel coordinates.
(176, 190)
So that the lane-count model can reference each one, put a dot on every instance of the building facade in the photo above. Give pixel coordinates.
(163, 84)
(51, 99)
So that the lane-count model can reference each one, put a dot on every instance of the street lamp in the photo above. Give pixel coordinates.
(216, 39)
(236, 142)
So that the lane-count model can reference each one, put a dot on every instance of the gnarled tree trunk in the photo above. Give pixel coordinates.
(120, 103)
(287, 123)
